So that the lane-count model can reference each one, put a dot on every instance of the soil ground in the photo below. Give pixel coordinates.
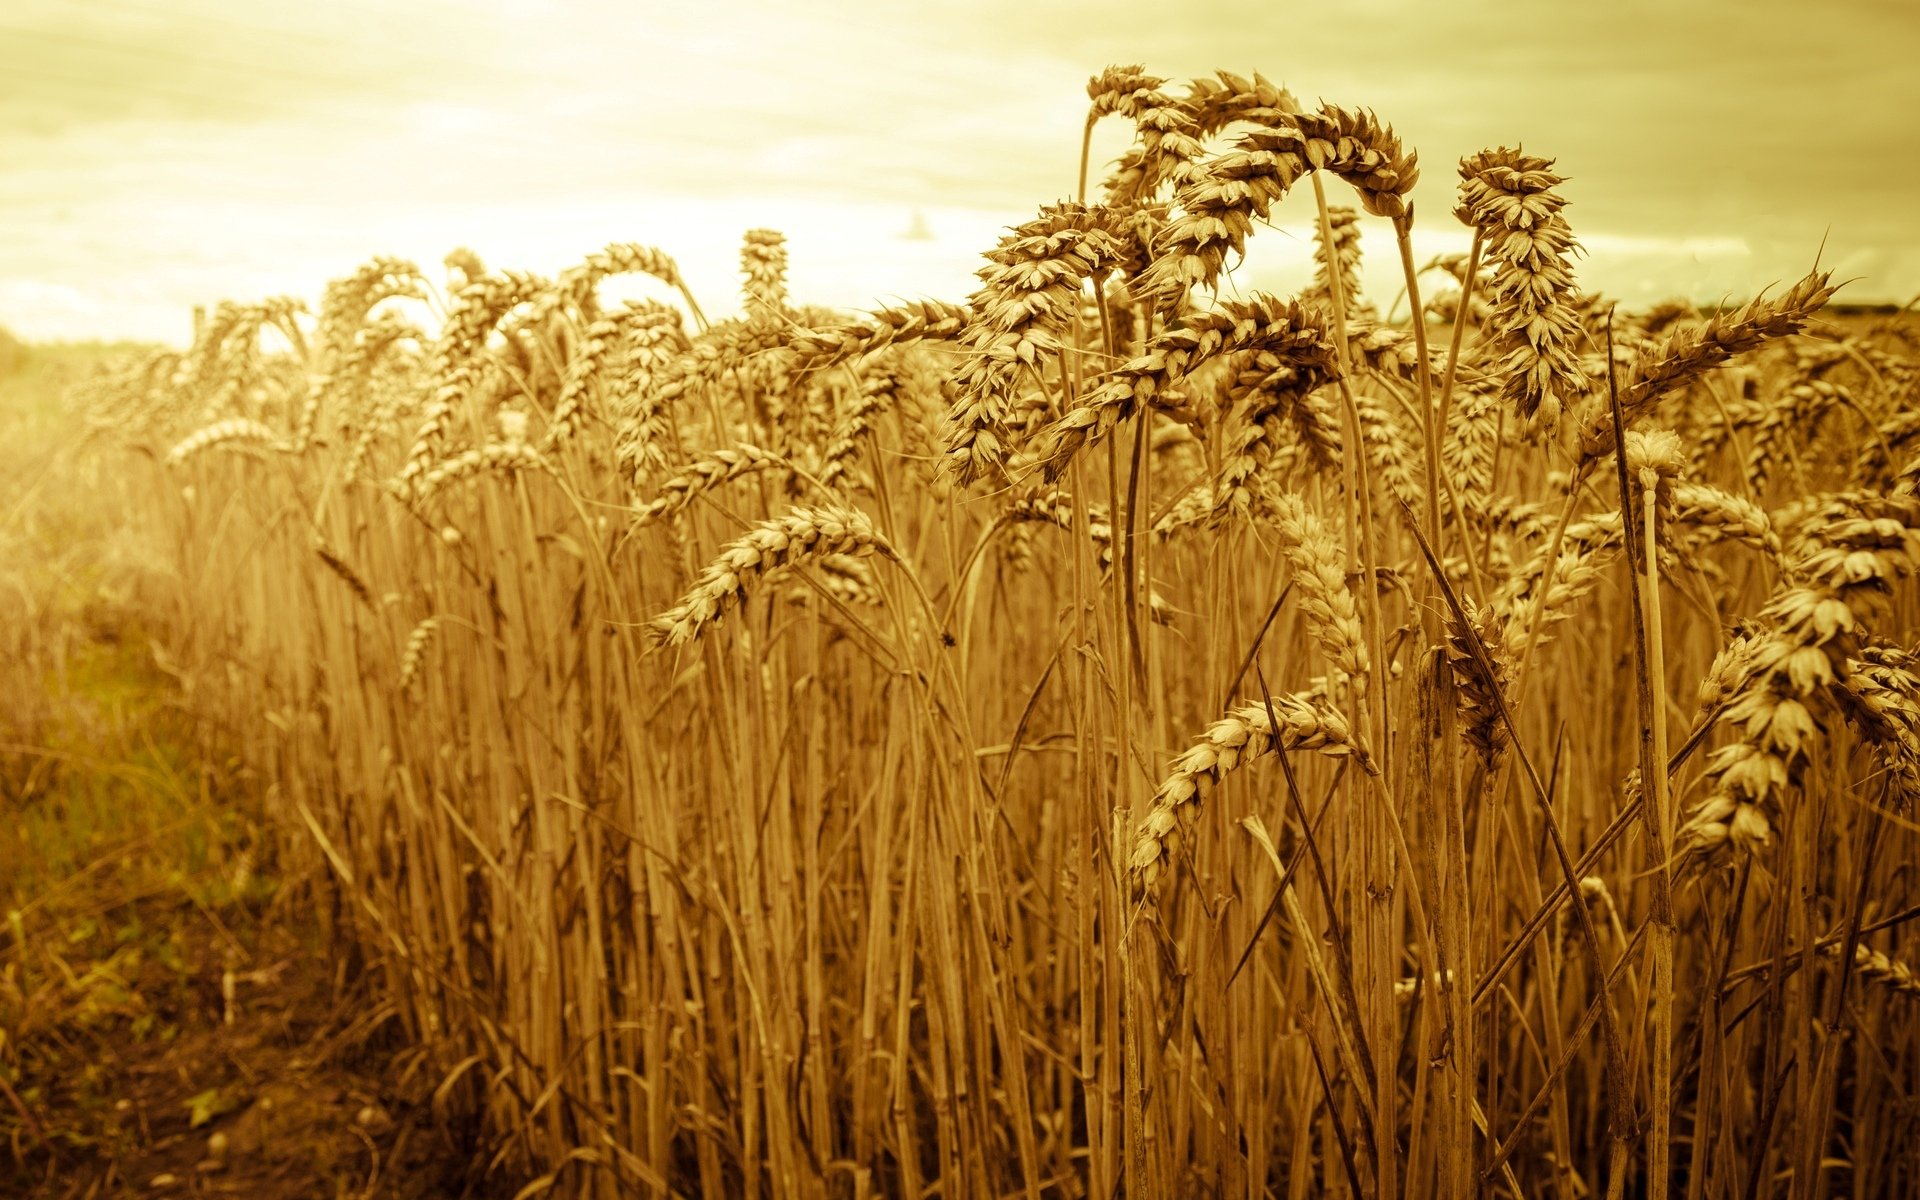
(172, 1022)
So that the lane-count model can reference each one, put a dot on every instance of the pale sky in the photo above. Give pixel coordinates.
(163, 153)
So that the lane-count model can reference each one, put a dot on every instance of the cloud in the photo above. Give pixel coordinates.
(181, 150)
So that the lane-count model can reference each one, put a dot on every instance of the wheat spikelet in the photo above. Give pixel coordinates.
(415, 653)
(1389, 451)
(577, 284)
(1304, 722)
(763, 264)
(346, 302)
(800, 535)
(652, 343)
(1879, 969)
(702, 475)
(1030, 291)
(1844, 562)
(1880, 693)
(1222, 198)
(1509, 198)
(1168, 140)
(345, 572)
(879, 393)
(628, 258)
(1796, 411)
(1576, 572)
(477, 308)
(1890, 441)
(1480, 694)
(351, 373)
(1055, 507)
(726, 347)
(848, 579)
(1287, 334)
(231, 431)
(1225, 98)
(1274, 403)
(508, 456)
(1473, 433)
(825, 346)
(1690, 353)
(1341, 259)
(601, 342)
(464, 265)
(1320, 575)
(1727, 516)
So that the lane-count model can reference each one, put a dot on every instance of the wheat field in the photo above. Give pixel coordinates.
(1111, 734)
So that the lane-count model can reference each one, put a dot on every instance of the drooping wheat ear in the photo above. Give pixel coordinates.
(1199, 506)
(1276, 333)
(1519, 519)
(1167, 140)
(763, 263)
(1278, 402)
(1344, 257)
(653, 341)
(228, 358)
(1223, 197)
(1891, 442)
(1691, 352)
(346, 302)
(847, 579)
(1846, 562)
(1030, 292)
(1791, 416)
(800, 535)
(920, 320)
(602, 341)
(499, 457)
(415, 653)
(352, 371)
(232, 431)
(344, 571)
(1728, 517)
(1304, 722)
(1479, 695)
(1320, 577)
(725, 347)
(457, 358)
(1576, 573)
(1222, 99)
(1051, 506)
(1879, 969)
(881, 385)
(577, 284)
(1533, 328)
(377, 416)
(702, 475)
(1880, 693)
(128, 391)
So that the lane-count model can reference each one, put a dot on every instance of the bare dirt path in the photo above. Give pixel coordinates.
(171, 1022)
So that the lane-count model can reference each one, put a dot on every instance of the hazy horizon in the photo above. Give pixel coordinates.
(167, 155)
